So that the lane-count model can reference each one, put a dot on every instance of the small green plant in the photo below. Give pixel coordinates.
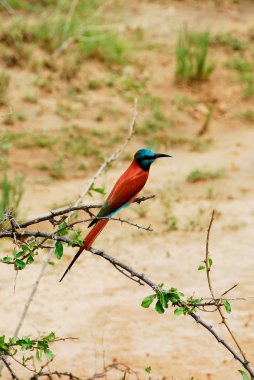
(11, 194)
(183, 101)
(31, 97)
(94, 84)
(247, 115)
(230, 40)
(246, 73)
(197, 222)
(172, 223)
(198, 175)
(155, 122)
(192, 56)
(4, 86)
(105, 46)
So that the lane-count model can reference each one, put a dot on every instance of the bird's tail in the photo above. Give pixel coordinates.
(88, 241)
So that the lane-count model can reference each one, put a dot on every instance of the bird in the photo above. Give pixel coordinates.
(123, 193)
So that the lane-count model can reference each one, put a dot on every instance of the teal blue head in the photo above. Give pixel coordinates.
(145, 158)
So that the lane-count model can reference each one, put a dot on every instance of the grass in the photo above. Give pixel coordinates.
(66, 111)
(200, 175)
(107, 47)
(182, 102)
(172, 223)
(247, 115)
(229, 40)
(197, 222)
(155, 122)
(4, 86)
(55, 169)
(245, 71)
(11, 194)
(31, 97)
(192, 57)
(47, 25)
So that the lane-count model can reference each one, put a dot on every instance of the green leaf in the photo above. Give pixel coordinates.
(147, 301)
(38, 355)
(179, 311)
(29, 260)
(48, 354)
(148, 369)
(227, 306)
(19, 264)
(78, 238)
(99, 190)
(201, 267)
(50, 337)
(6, 259)
(58, 250)
(159, 307)
(62, 229)
(244, 375)
(210, 262)
(19, 254)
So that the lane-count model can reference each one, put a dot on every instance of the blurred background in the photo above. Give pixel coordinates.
(69, 73)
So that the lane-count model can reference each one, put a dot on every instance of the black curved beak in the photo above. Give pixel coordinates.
(158, 155)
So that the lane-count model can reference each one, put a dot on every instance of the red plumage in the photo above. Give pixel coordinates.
(125, 191)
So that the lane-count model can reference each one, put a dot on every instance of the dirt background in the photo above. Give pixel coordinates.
(95, 302)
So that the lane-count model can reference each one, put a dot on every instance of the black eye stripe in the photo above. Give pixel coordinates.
(146, 158)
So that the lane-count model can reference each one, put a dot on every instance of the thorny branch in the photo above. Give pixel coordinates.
(136, 275)
(119, 367)
(142, 279)
(55, 213)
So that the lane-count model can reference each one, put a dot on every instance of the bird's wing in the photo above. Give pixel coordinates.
(123, 192)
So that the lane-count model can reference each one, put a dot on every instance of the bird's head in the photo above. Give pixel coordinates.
(145, 157)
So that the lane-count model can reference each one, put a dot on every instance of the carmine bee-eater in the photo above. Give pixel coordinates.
(123, 193)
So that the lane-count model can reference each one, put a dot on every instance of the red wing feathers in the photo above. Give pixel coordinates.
(123, 192)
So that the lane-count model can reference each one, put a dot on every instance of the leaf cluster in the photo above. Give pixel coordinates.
(23, 257)
(12, 346)
(173, 297)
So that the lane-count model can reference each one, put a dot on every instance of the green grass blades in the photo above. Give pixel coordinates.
(192, 57)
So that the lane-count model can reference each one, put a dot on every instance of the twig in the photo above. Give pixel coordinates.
(114, 366)
(229, 290)
(113, 157)
(7, 6)
(7, 365)
(223, 318)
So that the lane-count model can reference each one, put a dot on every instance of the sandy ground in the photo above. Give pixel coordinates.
(102, 307)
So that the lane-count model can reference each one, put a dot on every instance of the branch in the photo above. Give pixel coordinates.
(114, 366)
(134, 274)
(7, 365)
(219, 308)
(55, 213)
